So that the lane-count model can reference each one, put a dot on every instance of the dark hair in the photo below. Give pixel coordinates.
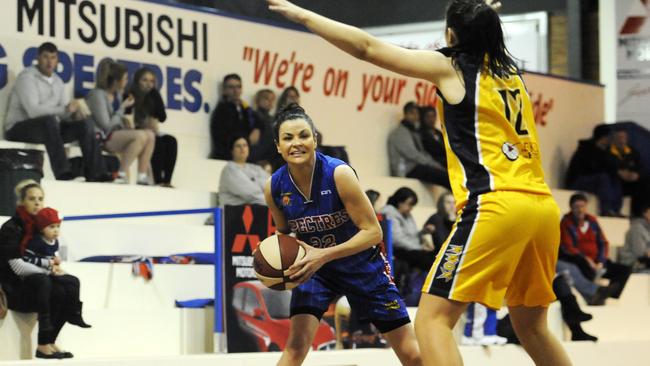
(479, 34)
(577, 197)
(231, 77)
(401, 195)
(600, 131)
(424, 110)
(409, 107)
(373, 196)
(234, 138)
(139, 74)
(138, 94)
(645, 207)
(289, 113)
(440, 205)
(282, 100)
(47, 47)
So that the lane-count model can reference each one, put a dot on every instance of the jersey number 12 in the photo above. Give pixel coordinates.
(513, 109)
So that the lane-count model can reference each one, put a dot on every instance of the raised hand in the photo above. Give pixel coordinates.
(287, 9)
(128, 102)
(494, 4)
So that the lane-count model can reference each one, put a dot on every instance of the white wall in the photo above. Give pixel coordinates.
(358, 113)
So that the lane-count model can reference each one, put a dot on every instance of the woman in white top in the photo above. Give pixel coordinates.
(241, 183)
(114, 129)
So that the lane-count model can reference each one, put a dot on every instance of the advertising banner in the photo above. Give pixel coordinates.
(257, 318)
(633, 61)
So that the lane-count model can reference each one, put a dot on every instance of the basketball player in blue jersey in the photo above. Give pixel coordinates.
(319, 199)
(505, 241)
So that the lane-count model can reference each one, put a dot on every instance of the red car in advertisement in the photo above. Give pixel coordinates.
(264, 313)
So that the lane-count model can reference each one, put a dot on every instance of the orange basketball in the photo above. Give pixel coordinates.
(273, 257)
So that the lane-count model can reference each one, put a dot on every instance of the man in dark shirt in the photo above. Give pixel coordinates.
(432, 138)
(593, 169)
(232, 117)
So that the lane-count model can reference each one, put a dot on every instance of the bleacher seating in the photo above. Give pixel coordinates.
(113, 297)
(115, 300)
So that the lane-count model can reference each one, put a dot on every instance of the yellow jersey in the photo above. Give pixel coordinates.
(490, 136)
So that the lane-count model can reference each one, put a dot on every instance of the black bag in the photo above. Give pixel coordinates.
(15, 166)
(112, 164)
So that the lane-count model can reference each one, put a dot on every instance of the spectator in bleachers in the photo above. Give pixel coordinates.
(262, 143)
(36, 292)
(288, 96)
(149, 113)
(629, 171)
(111, 125)
(231, 117)
(39, 111)
(583, 244)
(241, 183)
(636, 251)
(432, 138)
(409, 244)
(593, 169)
(42, 256)
(593, 294)
(406, 152)
(442, 221)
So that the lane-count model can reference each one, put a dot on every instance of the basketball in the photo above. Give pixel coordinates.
(273, 257)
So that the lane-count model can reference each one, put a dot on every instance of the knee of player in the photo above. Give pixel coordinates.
(526, 330)
(298, 345)
(411, 357)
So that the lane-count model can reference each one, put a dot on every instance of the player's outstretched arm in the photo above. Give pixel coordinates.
(426, 65)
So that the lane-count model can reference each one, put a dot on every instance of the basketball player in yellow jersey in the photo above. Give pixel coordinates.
(504, 243)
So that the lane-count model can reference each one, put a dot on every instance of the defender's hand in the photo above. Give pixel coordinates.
(287, 9)
(494, 4)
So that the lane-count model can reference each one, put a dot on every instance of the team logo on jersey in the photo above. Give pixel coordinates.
(393, 305)
(452, 257)
(510, 151)
(286, 199)
(325, 192)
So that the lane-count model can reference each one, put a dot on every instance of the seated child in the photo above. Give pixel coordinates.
(42, 251)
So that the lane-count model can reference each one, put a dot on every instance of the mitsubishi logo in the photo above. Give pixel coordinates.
(239, 244)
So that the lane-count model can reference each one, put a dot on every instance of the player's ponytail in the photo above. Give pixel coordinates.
(479, 36)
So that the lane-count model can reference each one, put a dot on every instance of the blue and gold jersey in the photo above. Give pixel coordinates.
(321, 220)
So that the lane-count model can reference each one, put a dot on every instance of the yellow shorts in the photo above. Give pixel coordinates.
(504, 244)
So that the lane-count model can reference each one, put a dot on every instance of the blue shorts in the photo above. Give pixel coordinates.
(377, 301)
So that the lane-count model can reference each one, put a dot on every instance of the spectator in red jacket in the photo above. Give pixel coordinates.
(584, 244)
